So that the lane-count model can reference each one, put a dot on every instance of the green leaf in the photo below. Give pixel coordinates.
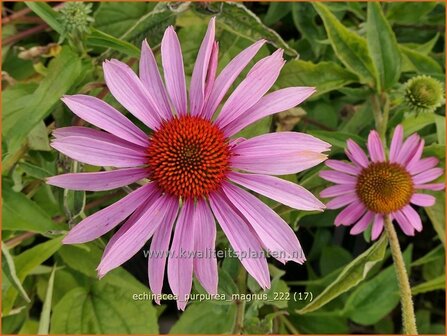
(236, 18)
(350, 47)
(382, 46)
(404, 12)
(435, 254)
(304, 19)
(428, 286)
(325, 76)
(38, 138)
(376, 298)
(335, 138)
(63, 73)
(416, 61)
(9, 273)
(103, 308)
(332, 258)
(206, 318)
(415, 123)
(276, 12)
(98, 38)
(44, 323)
(46, 13)
(436, 213)
(351, 276)
(440, 128)
(23, 214)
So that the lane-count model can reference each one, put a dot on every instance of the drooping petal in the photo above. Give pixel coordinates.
(105, 180)
(275, 234)
(338, 177)
(180, 261)
(275, 102)
(151, 79)
(159, 251)
(427, 176)
(227, 77)
(106, 219)
(337, 190)
(422, 165)
(102, 115)
(134, 238)
(403, 222)
(340, 201)
(362, 224)
(343, 167)
(396, 142)
(128, 90)
(423, 200)
(375, 147)
(258, 81)
(172, 59)
(98, 148)
(408, 149)
(430, 186)
(241, 238)
(413, 217)
(205, 262)
(356, 154)
(350, 214)
(283, 191)
(199, 74)
(377, 227)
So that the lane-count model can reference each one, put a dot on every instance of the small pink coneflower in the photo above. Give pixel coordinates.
(375, 188)
(193, 168)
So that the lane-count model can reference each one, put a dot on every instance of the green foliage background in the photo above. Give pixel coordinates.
(356, 54)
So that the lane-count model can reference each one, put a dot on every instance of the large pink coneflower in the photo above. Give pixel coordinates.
(192, 166)
(377, 187)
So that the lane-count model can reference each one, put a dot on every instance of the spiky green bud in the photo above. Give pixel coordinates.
(75, 17)
(423, 94)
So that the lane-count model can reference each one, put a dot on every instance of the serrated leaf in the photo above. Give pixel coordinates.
(350, 47)
(383, 48)
(351, 276)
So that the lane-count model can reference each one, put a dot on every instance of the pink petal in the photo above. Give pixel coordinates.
(423, 200)
(375, 147)
(199, 74)
(356, 154)
(228, 76)
(275, 234)
(150, 77)
(241, 238)
(362, 224)
(396, 142)
(128, 90)
(408, 150)
(343, 167)
(427, 176)
(350, 214)
(102, 115)
(252, 88)
(422, 165)
(431, 186)
(340, 201)
(106, 219)
(337, 190)
(279, 190)
(339, 178)
(100, 149)
(278, 101)
(403, 222)
(159, 251)
(416, 158)
(413, 217)
(377, 226)
(180, 261)
(172, 59)
(211, 75)
(131, 241)
(105, 180)
(205, 267)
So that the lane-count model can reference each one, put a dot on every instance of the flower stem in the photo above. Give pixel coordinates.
(240, 304)
(408, 317)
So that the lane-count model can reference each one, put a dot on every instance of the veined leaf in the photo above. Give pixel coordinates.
(98, 38)
(413, 60)
(352, 275)
(46, 13)
(382, 46)
(350, 47)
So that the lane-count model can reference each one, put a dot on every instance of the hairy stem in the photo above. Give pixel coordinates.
(240, 304)
(408, 317)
